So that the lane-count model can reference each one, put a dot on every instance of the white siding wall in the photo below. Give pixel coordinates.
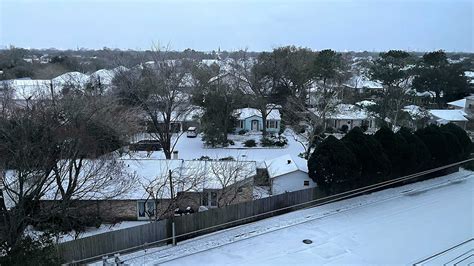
(291, 182)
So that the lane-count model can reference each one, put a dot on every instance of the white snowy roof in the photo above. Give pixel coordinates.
(105, 75)
(361, 82)
(245, 113)
(459, 103)
(348, 111)
(448, 115)
(281, 166)
(75, 78)
(469, 74)
(27, 88)
(187, 175)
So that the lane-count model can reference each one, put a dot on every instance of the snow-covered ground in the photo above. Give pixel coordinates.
(193, 148)
(401, 225)
(90, 231)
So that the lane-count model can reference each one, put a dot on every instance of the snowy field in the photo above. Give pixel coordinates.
(193, 148)
(401, 225)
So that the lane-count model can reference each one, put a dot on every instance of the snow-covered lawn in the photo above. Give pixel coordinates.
(90, 231)
(396, 226)
(193, 148)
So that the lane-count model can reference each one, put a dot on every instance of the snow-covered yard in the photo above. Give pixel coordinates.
(90, 231)
(193, 148)
(396, 226)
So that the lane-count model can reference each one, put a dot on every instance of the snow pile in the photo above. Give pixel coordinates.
(71, 78)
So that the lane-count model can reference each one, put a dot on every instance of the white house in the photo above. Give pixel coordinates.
(286, 176)
(442, 116)
(349, 115)
(250, 119)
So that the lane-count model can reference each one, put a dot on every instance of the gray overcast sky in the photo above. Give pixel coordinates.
(234, 24)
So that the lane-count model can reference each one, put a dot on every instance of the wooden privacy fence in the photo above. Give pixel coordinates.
(134, 238)
(159, 232)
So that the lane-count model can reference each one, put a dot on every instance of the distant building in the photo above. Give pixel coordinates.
(286, 176)
(250, 119)
(349, 115)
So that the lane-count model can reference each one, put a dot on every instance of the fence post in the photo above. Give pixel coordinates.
(173, 233)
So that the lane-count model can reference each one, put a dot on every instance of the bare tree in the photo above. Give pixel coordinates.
(59, 150)
(156, 89)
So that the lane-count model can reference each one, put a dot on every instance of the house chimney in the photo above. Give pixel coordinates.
(175, 155)
(289, 161)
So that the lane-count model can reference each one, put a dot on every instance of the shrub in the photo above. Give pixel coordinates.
(280, 141)
(330, 130)
(228, 158)
(344, 128)
(31, 251)
(266, 142)
(242, 132)
(250, 143)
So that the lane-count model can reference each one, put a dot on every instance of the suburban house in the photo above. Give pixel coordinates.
(181, 119)
(250, 119)
(286, 176)
(362, 84)
(444, 116)
(196, 184)
(349, 115)
(417, 116)
(467, 106)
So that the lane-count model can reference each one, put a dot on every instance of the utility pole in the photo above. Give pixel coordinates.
(173, 229)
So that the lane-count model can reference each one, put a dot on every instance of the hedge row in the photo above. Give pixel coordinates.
(359, 159)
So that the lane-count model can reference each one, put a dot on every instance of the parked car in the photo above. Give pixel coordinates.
(146, 145)
(191, 132)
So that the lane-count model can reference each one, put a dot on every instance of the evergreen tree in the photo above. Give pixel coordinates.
(373, 162)
(333, 166)
(462, 137)
(416, 154)
(435, 73)
(395, 146)
(436, 142)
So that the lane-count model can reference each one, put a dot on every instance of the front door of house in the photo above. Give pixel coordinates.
(254, 126)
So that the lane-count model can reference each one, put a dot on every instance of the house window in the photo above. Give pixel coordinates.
(146, 209)
(306, 183)
(209, 198)
(241, 123)
(272, 124)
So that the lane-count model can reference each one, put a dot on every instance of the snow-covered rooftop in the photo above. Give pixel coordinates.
(75, 78)
(27, 88)
(281, 166)
(448, 115)
(459, 103)
(362, 82)
(188, 175)
(365, 103)
(347, 111)
(245, 113)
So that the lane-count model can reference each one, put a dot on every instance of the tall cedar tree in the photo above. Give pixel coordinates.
(333, 166)
(436, 142)
(395, 146)
(372, 160)
(417, 156)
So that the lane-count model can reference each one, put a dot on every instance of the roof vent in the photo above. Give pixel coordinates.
(289, 161)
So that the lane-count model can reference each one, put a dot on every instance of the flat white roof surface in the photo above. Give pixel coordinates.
(397, 226)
